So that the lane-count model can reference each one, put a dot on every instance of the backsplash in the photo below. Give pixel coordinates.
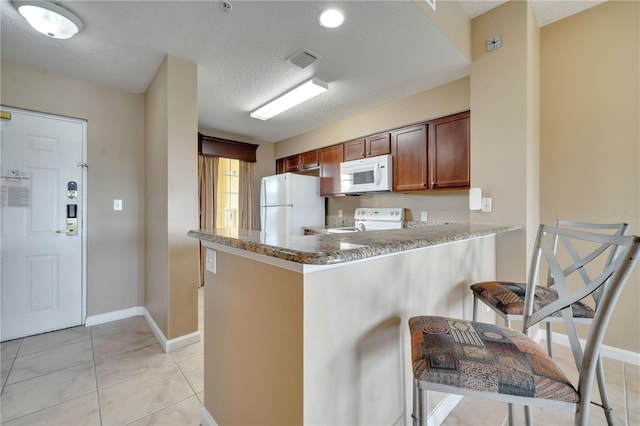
(441, 207)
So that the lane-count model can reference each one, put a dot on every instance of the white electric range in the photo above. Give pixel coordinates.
(373, 219)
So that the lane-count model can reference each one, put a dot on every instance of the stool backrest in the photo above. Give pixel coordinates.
(568, 255)
(611, 249)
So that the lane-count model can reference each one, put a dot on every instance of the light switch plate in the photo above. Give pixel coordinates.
(117, 204)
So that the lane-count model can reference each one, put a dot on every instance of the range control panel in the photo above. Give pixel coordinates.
(387, 214)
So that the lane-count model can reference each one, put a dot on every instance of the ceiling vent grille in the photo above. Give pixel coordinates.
(303, 58)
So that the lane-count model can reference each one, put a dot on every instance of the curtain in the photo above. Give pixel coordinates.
(245, 199)
(207, 182)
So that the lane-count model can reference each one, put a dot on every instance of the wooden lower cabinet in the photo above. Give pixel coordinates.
(330, 159)
(409, 151)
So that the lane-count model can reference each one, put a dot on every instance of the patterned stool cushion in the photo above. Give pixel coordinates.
(508, 298)
(485, 357)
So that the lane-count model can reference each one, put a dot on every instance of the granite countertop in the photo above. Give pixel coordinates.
(329, 249)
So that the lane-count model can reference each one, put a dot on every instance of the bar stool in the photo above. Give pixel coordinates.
(507, 298)
(488, 361)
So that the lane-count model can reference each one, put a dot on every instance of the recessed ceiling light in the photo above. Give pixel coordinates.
(49, 19)
(331, 18)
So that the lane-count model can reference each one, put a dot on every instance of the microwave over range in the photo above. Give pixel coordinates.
(373, 174)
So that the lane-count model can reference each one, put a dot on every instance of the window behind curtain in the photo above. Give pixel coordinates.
(227, 197)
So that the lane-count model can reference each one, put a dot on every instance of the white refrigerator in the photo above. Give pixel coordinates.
(290, 202)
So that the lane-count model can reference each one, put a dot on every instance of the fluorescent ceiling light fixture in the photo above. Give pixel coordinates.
(49, 18)
(305, 91)
(331, 18)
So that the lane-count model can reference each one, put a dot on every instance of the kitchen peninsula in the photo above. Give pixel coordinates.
(312, 329)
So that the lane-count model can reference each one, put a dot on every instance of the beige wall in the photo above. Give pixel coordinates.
(182, 188)
(171, 198)
(437, 102)
(452, 21)
(504, 129)
(254, 342)
(115, 153)
(156, 199)
(590, 131)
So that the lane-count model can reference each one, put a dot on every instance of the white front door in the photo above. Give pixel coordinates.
(43, 185)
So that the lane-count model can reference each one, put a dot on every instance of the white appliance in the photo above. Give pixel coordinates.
(289, 202)
(373, 219)
(373, 174)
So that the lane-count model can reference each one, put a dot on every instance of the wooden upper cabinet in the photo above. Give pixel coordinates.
(431, 155)
(449, 146)
(354, 150)
(295, 163)
(330, 159)
(292, 163)
(309, 160)
(378, 144)
(409, 150)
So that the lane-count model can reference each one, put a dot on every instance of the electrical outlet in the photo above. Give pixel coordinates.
(117, 204)
(487, 204)
(423, 216)
(339, 213)
(210, 261)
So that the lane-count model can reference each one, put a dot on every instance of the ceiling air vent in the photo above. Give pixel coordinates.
(303, 58)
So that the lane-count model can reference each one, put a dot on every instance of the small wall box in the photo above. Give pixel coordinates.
(494, 42)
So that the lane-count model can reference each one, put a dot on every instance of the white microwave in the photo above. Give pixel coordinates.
(373, 174)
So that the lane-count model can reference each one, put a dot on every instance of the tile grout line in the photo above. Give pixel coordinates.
(95, 373)
(13, 361)
(625, 394)
(185, 376)
(160, 409)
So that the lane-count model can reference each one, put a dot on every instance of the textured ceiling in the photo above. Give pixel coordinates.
(385, 50)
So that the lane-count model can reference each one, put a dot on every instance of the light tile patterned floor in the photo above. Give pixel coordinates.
(117, 374)
(109, 374)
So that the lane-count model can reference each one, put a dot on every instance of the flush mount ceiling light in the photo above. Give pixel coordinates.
(49, 18)
(331, 18)
(305, 91)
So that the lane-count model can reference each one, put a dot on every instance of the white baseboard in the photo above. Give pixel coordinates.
(167, 345)
(206, 419)
(443, 409)
(156, 330)
(172, 344)
(607, 351)
(113, 316)
(182, 341)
